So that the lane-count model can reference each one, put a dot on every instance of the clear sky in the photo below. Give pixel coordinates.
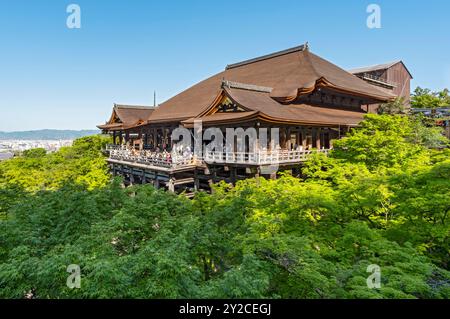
(55, 77)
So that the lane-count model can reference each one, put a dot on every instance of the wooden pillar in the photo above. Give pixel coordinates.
(156, 181)
(210, 184)
(214, 175)
(143, 177)
(114, 137)
(172, 128)
(327, 138)
(257, 175)
(196, 181)
(155, 138)
(233, 174)
(145, 139)
(318, 133)
(304, 139)
(288, 138)
(141, 140)
(171, 185)
(283, 138)
(164, 144)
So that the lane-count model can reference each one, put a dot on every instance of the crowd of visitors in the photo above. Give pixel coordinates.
(179, 155)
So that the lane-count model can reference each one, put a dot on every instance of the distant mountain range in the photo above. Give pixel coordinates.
(47, 135)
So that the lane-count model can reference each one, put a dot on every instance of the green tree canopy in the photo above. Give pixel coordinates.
(381, 198)
(425, 98)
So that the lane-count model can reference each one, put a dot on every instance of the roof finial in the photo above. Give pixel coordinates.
(225, 83)
(307, 45)
(154, 98)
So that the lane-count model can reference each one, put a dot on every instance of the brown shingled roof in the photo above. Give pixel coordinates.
(294, 112)
(126, 116)
(260, 105)
(132, 113)
(290, 73)
(221, 118)
(378, 67)
(111, 127)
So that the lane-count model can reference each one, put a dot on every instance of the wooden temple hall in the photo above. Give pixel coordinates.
(310, 101)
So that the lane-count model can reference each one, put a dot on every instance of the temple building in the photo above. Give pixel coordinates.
(393, 77)
(295, 101)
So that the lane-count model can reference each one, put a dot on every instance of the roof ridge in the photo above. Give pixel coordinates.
(302, 47)
(127, 106)
(245, 86)
(311, 65)
(375, 66)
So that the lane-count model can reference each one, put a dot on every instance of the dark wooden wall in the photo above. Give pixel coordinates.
(398, 75)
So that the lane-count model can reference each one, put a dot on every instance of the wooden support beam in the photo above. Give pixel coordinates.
(196, 181)
(288, 138)
(164, 137)
(131, 178)
(304, 139)
(155, 138)
(318, 133)
(188, 180)
(171, 185)
(143, 177)
(233, 173)
(283, 137)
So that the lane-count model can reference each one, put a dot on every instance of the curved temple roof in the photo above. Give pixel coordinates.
(126, 116)
(259, 105)
(273, 84)
(290, 73)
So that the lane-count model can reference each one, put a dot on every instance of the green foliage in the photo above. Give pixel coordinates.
(426, 134)
(381, 198)
(396, 107)
(424, 98)
(83, 163)
(380, 142)
(386, 141)
(35, 153)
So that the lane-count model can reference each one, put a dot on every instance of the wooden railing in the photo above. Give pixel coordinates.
(166, 161)
(141, 158)
(112, 147)
(260, 157)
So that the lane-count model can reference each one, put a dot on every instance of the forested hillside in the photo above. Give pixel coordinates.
(381, 198)
(46, 135)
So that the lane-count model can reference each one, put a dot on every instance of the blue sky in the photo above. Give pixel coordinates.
(55, 77)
